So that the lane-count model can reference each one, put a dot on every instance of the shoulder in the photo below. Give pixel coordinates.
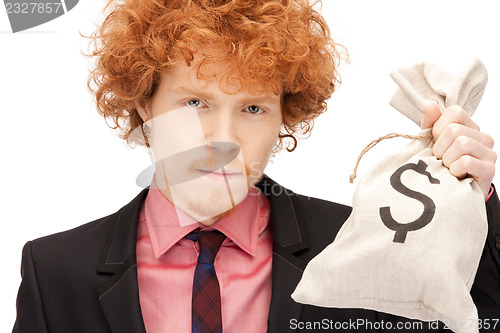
(75, 246)
(323, 219)
(90, 238)
(323, 209)
(319, 219)
(304, 225)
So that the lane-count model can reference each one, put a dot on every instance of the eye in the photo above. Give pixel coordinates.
(195, 103)
(253, 109)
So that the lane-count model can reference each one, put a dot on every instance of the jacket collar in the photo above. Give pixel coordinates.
(290, 236)
(119, 294)
(289, 227)
(118, 259)
(122, 235)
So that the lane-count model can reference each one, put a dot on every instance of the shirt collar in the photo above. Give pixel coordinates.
(242, 226)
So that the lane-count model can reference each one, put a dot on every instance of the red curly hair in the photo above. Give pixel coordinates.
(283, 44)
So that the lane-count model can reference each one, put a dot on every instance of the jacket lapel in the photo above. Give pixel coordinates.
(290, 235)
(119, 294)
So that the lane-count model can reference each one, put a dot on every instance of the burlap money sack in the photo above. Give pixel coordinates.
(412, 244)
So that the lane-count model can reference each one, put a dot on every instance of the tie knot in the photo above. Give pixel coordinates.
(210, 242)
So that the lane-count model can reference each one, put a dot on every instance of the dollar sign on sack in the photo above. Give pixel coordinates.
(429, 206)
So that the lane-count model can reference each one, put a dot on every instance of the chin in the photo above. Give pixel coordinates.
(208, 203)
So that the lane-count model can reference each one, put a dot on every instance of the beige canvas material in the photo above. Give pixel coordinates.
(425, 83)
(412, 244)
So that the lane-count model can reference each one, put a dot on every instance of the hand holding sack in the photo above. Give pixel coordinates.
(412, 244)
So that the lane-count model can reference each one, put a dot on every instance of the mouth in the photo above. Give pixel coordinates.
(219, 174)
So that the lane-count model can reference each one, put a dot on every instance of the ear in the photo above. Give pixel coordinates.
(143, 109)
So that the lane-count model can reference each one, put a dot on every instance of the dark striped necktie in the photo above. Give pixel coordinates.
(206, 304)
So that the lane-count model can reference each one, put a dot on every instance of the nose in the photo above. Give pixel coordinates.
(223, 153)
(223, 147)
(220, 128)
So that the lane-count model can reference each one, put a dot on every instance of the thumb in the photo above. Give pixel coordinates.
(431, 115)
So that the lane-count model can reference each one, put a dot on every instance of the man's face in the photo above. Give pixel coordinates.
(210, 146)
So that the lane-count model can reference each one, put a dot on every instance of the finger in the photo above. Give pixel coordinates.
(432, 113)
(452, 114)
(453, 131)
(482, 171)
(464, 145)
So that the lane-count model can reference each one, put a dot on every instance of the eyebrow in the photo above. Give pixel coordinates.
(261, 99)
(188, 90)
(257, 99)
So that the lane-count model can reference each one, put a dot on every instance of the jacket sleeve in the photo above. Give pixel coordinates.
(486, 288)
(30, 312)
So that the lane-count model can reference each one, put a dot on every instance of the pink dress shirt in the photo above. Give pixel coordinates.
(490, 193)
(166, 264)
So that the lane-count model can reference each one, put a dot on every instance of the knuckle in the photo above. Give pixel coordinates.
(456, 111)
(452, 130)
(437, 152)
(466, 162)
(446, 161)
(462, 142)
(488, 140)
(491, 170)
(456, 169)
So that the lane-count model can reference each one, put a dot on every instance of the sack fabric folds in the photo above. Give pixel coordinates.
(412, 244)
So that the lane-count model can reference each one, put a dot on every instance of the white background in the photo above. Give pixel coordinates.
(62, 166)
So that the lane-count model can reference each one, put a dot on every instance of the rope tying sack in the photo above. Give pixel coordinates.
(376, 141)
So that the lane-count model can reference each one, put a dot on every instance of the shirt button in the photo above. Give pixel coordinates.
(497, 242)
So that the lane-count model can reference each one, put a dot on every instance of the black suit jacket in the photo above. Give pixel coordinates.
(85, 279)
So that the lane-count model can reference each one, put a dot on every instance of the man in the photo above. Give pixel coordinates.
(213, 87)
